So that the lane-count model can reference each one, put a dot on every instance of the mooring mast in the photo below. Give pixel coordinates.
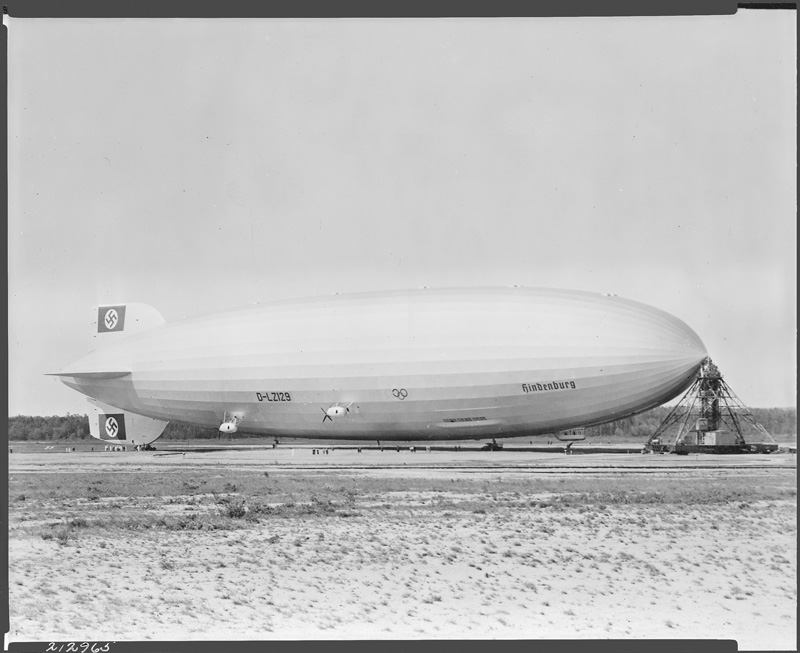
(710, 417)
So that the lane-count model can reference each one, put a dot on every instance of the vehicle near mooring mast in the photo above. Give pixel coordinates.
(401, 365)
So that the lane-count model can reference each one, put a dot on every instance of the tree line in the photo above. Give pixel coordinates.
(777, 421)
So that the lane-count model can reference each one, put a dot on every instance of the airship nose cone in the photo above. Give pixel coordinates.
(651, 330)
(677, 337)
(661, 353)
(680, 339)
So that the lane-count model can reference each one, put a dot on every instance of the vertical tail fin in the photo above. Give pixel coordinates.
(115, 425)
(115, 320)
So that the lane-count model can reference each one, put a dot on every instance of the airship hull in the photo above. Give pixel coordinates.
(415, 365)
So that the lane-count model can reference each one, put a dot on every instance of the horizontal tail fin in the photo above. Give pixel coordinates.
(115, 425)
(90, 375)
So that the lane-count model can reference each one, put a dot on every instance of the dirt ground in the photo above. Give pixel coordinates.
(444, 548)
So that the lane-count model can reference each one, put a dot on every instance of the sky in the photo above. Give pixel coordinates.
(203, 164)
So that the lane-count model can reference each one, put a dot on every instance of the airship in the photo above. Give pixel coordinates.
(425, 364)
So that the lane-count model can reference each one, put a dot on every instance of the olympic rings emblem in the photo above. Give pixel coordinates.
(402, 393)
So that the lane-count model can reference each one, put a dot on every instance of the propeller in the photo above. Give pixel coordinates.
(337, 410)
(229, 425)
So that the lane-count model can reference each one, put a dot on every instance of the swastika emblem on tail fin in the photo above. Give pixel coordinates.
(110, 318)
(112, 427)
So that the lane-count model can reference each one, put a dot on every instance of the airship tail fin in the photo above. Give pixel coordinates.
(112, 321)
(117, 426)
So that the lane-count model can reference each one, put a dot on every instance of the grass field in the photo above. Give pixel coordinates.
(248, 553)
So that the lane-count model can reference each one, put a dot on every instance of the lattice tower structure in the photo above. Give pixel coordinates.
(709, 405)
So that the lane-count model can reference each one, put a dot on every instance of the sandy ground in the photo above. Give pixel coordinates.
(409, 565)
